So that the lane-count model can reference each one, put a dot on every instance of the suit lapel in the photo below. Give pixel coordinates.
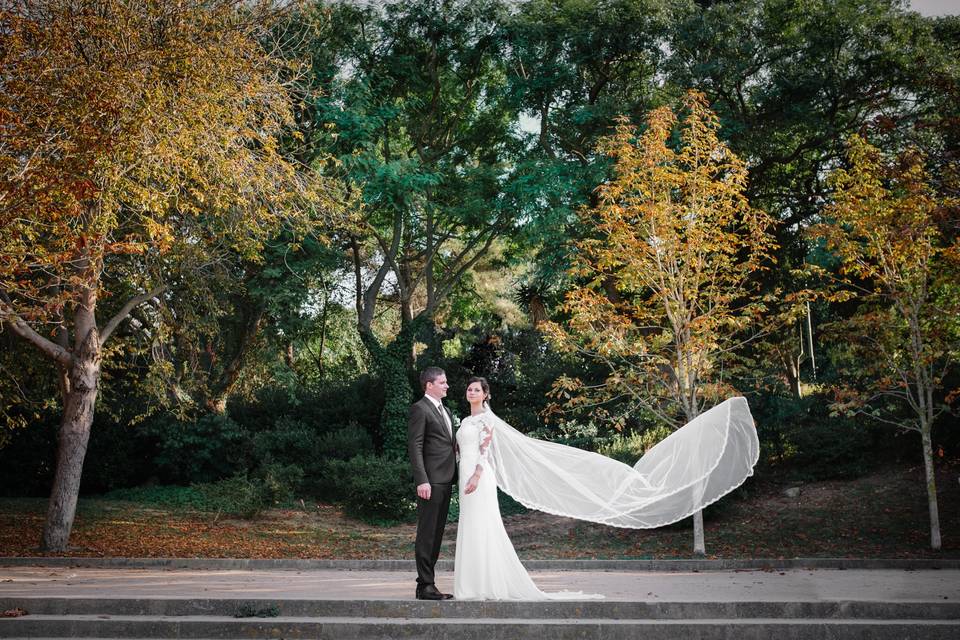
(435, 412)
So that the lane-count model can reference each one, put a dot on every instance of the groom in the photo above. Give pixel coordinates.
(432, 448)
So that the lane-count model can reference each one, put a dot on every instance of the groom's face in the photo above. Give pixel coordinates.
(438, 388)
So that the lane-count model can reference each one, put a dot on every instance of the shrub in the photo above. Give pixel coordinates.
(373, 488)
(800, 436)
(508, 506)
(339, 403)
(288, 443)
(630, 448)
(236, 496)
(162, 495)
(345, 443)
(281, 481)
(570, 433)
(117, 456)
(211, 448)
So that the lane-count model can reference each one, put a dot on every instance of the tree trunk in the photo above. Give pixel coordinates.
(84, 378)
(931, 488)
(220, 389)
(699, 547)
(691, 411)
(791, 369)
(391, 364)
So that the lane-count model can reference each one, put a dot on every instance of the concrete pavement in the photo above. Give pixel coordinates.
(792, 585)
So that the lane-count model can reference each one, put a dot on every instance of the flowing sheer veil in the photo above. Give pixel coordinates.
(693, 467)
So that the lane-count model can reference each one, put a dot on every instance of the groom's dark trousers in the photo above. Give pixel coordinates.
(433, 460)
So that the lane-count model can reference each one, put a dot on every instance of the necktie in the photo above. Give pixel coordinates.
(446, 419)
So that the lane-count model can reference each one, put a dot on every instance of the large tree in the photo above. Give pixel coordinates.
(140, 145)
(790, 81)
(669, 273)
(573, 67)
(415, 110)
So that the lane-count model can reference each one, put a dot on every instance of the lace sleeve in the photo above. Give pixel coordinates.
(486, 439)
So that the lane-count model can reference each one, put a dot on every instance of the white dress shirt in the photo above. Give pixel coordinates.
(443, 412)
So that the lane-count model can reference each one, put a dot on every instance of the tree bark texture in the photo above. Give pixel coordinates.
(81, 399)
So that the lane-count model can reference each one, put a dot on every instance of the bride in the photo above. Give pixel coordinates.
(693, 467)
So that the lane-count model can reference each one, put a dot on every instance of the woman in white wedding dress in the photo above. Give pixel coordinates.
(693, 467)
(486, 565)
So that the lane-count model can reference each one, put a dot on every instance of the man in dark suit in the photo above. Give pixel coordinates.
(432, 448)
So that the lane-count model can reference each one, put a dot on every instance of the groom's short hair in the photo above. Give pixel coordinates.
(430, 374)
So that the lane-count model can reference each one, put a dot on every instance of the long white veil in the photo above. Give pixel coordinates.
(693, 467)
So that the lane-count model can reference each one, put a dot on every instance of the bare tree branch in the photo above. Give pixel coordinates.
(136, 301)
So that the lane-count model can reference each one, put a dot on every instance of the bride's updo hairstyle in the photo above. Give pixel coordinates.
(485, 386)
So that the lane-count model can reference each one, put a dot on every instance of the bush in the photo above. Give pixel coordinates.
(358, 401)
(162, 495)
(800, 436)
(373, 488)
(235, 496)
(204, 451)
(288, 440)
(345, 443)
(630, 448)
(281, 482)
(117, 456)
(570, 433)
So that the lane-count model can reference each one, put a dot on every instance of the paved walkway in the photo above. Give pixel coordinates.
(713, 586)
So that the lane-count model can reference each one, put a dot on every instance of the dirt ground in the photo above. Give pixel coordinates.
(881, 515)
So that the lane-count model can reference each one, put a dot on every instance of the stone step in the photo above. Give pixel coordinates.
(221, 627)
(414, 609)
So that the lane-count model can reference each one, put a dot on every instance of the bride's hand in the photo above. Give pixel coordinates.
(472, 483)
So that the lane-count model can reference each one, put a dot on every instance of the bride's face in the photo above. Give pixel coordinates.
(474, 393)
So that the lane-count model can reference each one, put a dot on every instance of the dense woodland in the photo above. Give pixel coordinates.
(231, 233)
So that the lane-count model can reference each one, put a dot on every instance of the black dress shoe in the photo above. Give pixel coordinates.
(430, 592)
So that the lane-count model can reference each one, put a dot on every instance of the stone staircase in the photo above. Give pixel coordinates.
(189, 617)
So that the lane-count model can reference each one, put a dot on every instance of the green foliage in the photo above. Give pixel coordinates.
(799, 437)
(205, 450)
(345, 443)
(163, 495)
(508, 506)
(519, 364)
(339, 402)
(235, 496)
(631, 447)
(795, 79)
(281, 482)
(571, 433)
(253, 611)
(390, 363)
(288, 440)
(372, 488)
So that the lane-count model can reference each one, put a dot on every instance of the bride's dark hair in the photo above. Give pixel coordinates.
(484, 385)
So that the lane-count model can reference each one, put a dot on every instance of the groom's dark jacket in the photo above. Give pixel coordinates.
(431, 446)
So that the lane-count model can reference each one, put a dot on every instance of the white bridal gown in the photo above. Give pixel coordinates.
(693, 467)
(486, 564)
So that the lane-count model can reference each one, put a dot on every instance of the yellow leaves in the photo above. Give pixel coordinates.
(881, 219)
(159, 233)
(168, 139)
(668, 277)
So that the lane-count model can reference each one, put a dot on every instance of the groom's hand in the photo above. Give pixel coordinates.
(423, 490)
